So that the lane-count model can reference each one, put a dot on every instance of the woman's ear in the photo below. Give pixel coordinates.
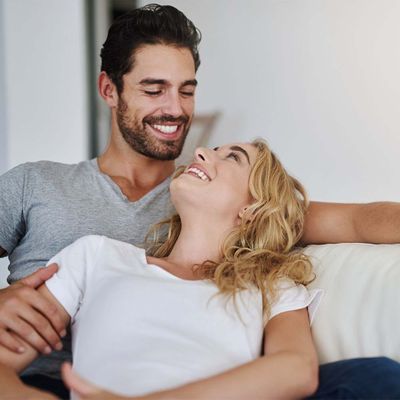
(242, 211)
(107, 90)
(242, 214)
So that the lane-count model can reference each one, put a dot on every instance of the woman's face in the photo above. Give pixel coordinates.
(217, 182)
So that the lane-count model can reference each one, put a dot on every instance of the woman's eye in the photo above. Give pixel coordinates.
(234, 156)
(153, 93)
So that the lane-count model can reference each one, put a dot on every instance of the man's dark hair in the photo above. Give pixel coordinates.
(151, 24)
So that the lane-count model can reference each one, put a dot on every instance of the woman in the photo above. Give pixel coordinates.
(218, 310)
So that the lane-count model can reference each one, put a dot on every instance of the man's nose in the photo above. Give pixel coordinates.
(172, 105)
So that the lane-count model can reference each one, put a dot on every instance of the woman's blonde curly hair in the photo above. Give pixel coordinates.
(262, 249)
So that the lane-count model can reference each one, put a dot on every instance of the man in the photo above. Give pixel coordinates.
(147, 78)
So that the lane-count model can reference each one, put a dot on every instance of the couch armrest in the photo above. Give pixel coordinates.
(359, 312)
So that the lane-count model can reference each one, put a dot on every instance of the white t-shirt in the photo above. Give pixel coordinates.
(136, 328)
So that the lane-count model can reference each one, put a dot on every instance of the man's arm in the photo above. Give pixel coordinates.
(288, 370)
(11, 386)
(19, 361)
(26, 312)
(361, 223)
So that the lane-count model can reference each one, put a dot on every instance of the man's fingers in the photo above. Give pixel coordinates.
(11, 342)
(40, 276)
(26, 332)
(43, 327)
(48, 310)
(31, 316)
(74, 382)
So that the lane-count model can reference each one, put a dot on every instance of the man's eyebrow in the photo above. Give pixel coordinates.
(151, 81)
(237, 148)
(190, 82)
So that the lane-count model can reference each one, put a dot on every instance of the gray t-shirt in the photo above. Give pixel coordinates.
(45, 206)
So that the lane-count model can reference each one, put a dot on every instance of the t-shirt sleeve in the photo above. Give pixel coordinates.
(12, 193)
(294, 297)
(76, 265)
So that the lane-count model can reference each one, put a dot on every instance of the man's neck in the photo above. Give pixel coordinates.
(134, 173)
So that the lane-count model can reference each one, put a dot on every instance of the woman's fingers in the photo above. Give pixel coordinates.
(74, 382)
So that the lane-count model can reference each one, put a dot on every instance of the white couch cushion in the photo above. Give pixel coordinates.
(359, 312)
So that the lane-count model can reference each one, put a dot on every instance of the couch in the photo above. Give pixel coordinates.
(359, 313)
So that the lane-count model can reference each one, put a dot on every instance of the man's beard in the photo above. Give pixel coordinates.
(134, 133)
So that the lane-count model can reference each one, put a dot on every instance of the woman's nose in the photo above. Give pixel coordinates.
(200, 154)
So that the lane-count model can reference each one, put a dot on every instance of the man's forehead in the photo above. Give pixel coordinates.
(163, 63)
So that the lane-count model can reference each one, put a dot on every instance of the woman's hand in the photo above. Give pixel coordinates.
(83, 388)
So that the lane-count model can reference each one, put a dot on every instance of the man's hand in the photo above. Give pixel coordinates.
(28, 314)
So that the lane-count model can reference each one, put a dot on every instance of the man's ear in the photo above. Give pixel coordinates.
(107, 90)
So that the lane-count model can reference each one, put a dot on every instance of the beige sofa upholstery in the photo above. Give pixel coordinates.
(359, 312)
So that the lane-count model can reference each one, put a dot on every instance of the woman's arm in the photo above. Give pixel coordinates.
(19, 362)
(289, 369)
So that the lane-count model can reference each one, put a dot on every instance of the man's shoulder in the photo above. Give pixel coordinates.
(49, 171)
(47, 167)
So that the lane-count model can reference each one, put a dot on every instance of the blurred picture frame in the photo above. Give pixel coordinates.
(201, 130)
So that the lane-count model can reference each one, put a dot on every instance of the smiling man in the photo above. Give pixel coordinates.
(148, 79)
(155, 109)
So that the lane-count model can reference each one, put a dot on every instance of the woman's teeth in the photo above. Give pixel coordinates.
(200, 174)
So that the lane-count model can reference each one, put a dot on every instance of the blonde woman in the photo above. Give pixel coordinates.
(220, 309)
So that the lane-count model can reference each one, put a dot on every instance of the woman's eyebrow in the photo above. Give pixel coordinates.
(241, 150)
(237, 148)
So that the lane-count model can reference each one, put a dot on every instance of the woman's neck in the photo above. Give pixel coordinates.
(196, 244)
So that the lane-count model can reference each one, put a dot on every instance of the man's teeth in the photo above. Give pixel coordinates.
(199, 173)
(166, 128)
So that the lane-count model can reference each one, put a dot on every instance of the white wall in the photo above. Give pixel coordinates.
(45, 72)
(319, 79)
(43, 89)
(3, 137)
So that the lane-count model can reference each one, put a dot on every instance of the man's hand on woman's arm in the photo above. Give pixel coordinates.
(352, 223)
(11, 363)
(32, 317)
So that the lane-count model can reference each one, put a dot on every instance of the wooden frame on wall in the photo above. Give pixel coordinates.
(199, 135)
